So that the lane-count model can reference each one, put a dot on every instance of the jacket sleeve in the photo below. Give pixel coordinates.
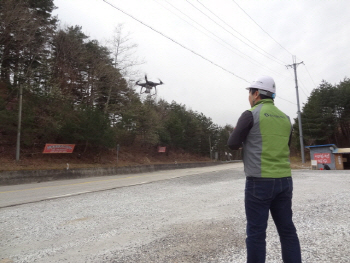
(240, 133)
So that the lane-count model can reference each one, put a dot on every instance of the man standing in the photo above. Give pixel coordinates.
(265, 132)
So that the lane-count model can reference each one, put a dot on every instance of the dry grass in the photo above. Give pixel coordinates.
(128, 156)
(296, 163)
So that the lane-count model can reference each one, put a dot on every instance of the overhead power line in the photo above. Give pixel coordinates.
(175, 41)
(303, 89)
(286, 100)
(301, 83)
(183, 45)
(310, 76)
(261, 27)
(229, 46)
(272, 57)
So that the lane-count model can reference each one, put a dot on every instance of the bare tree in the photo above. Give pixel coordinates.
(123, 52)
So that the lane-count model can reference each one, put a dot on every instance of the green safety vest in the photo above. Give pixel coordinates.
(266, 149)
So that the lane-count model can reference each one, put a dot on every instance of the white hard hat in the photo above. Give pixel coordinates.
(264, 83)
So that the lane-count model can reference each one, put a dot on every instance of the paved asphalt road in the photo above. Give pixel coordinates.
(28, 193)
(187, 215)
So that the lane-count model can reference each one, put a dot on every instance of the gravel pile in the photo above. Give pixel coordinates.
(197, 218)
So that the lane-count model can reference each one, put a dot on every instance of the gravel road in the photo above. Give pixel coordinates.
(195, 218)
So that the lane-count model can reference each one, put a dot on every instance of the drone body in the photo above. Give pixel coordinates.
(148, 85)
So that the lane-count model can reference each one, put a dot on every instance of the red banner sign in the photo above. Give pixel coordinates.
(59, 148)
(322, 157)
(161, 149)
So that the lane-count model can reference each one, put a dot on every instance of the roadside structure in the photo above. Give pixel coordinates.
(336, 158)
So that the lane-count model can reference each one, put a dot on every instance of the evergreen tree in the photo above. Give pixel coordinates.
(325, 116)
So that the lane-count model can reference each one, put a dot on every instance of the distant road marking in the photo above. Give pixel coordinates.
(59, 196)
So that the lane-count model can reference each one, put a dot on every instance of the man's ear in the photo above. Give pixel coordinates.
(257, 93)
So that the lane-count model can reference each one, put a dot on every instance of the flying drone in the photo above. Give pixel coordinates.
(148, 85)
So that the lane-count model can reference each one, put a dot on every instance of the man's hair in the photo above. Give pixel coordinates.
(253, 90)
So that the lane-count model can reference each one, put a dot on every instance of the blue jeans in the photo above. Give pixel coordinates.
(261, 196)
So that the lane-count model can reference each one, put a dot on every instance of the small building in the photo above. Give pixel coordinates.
(336, 158)
(342, 158)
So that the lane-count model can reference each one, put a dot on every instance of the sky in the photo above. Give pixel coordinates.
(207, 52)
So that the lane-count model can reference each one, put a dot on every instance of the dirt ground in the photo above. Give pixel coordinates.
(127, 156)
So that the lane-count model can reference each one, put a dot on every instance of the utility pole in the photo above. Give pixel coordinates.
(211, 157)
(294, 65)
(18, 145)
